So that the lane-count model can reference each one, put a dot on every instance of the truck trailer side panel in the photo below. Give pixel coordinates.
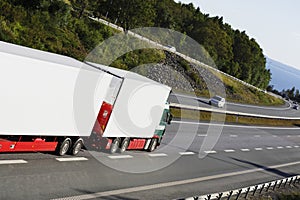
(37, 96)
(138, 107)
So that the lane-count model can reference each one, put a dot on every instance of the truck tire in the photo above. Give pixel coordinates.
(124, 145)
(153, 145)
(63, 147)
(76, 148)
(115, 145)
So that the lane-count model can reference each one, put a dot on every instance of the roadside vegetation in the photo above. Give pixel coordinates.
(292, 94)
(288, 193)
(63, 27)
(219, 117)
(232, 51)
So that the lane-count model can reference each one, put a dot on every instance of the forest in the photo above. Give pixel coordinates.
(63, 27)
(292, 94)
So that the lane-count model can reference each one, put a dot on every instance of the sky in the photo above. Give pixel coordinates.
(274, 24)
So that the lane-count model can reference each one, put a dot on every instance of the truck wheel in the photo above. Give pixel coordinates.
(124, 145)
(76, 147)
(153, 145)
(63, 148)
(115, 145)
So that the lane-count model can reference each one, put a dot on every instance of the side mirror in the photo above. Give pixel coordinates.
(169, 118)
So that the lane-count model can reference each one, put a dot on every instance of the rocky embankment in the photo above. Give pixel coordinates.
(181, 75)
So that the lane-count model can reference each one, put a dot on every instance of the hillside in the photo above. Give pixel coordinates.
(63, 27)
(50, 26)
(232, 50)
(280, 72)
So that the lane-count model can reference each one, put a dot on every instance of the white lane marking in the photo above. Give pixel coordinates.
(260, 107)
(280, 147)
(210, 152)
(237, 126)
(157, 154)
(202, 135)
(186, 153)
(288, 136)
(258, 149)
(257, 136)
(120, 157)
(288, 147)
(296, 146)
(270, 148)
(275, 136)
(71, 159)
(229, 150)
(7, 162)
(233, 135)
(172, 183)
(245, 150)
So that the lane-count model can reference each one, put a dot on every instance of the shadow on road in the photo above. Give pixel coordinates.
(108, 197)
(271, 170)
(203, 101)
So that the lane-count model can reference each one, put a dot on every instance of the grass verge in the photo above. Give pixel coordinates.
(288, 193)
(218, 117)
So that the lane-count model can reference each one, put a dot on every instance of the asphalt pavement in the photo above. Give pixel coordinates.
(230, 157)
(281, 111)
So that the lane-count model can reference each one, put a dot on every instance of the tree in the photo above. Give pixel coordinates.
(80, 6)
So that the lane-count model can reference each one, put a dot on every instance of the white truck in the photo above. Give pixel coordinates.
(50, 102)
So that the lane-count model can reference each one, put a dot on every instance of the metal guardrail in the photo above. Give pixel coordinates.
(246, 192)
(175, 105)
(177, 53)
(200, 63)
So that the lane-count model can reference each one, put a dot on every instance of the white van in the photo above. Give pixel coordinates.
(217, 101)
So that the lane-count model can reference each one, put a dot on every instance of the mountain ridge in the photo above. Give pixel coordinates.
(283, 76)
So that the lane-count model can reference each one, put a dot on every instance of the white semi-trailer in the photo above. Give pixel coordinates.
(50, 102)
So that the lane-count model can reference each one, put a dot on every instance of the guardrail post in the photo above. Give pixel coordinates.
(238, 195)
(295, 181)
(230, 194)
(254, 190)
(261, 189)
(291, 181)
(247, 193)
(280, 183)
(274, 185)
(208, 197)
(268, 187)
(220, 195)
(286, 180)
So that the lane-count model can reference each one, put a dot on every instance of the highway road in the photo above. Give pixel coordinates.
(242, 156)
(281, 111)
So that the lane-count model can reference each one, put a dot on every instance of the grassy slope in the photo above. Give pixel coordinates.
(75, 37)
(237, 92)
(206, 116)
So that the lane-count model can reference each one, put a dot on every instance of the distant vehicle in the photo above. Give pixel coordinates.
(296, 107)
(171, 48)
(217, 101)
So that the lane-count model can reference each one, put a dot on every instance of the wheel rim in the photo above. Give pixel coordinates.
(77, 148)
(114, 147)
(153, 145)
(124, 146)
(65, 148)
